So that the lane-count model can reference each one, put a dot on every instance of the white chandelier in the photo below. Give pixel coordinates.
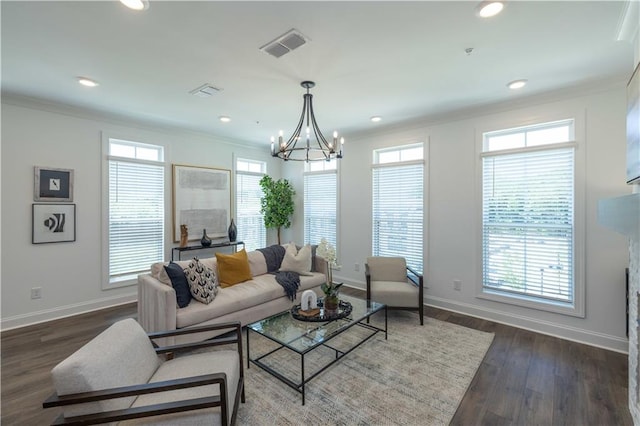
(313, 146)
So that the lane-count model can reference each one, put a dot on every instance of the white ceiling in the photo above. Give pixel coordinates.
(399, 60)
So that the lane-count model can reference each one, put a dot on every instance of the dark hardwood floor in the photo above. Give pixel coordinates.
(525, 379)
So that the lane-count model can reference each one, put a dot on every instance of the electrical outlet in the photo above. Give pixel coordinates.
(356, 267)
(36, 292)
(457, 285)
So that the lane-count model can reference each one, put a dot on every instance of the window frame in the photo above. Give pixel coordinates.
(131, 280)
(333, 168)
(263, 172)
(376, 164)
(577, 308)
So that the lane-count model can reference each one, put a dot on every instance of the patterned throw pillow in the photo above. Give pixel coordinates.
(203, 282)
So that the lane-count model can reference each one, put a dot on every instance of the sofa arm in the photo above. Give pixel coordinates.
(157, 307)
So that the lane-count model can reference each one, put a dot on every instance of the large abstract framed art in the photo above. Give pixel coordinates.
(201, 200)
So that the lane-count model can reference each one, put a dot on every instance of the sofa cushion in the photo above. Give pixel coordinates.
(158, 272)
(179, 283)
(257, 263)
(297, 261)
(122, 355)
(233, 268)
(202, 280)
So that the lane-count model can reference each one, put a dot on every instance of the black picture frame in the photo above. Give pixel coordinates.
(53, 184)
(53, 223)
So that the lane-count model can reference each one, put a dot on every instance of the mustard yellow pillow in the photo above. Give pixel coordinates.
(233, 268)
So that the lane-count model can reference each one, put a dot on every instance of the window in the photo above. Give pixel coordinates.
(136, 208)
(250, 223)
(398, 206)
(320, 202)
(528, 214)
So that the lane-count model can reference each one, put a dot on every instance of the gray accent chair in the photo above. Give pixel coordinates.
(392, 282)
(122, 376)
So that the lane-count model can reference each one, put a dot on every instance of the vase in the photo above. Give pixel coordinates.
(205, 241)
(233, 232)
(331, 304)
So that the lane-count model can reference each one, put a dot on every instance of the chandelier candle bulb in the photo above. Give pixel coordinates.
(272, 147)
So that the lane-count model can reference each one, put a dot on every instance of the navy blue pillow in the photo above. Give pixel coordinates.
(179, 283)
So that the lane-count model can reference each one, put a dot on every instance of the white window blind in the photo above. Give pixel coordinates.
(250, 222)
(136, 217)
(320, 208)
(398, 206)
(528, 220)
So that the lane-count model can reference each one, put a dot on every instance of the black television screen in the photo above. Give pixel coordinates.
(633, 128)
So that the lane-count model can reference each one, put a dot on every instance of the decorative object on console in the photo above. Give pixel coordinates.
(184, 236)
(314, 145)
(308, 300)
(276, 204)
(205, 241)
(53, 184)
(233, 231)
(53, 223)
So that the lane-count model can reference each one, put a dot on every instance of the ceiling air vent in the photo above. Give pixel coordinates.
(205, 90)
(284, 44)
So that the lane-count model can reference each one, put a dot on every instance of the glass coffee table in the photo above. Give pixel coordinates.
(305, 337)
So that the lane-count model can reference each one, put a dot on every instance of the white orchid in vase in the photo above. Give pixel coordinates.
(328, 252)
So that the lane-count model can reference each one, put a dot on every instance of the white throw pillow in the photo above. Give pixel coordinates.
(297, 261)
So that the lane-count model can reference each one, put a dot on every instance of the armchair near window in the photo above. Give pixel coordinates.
(392, 282)
(120, 377)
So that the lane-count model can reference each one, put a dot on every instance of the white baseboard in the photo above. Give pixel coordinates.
(587, 337)
(32, 318)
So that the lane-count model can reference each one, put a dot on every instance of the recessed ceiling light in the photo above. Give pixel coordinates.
(87, 82)
(517, 84)
(376, 118)
(490, 8)
(224, 118)
(136, 4)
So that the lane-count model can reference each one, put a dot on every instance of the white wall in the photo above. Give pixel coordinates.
(452, 248)
(69, 273)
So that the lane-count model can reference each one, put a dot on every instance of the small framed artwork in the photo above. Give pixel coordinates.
(53, 184)
(53, 223)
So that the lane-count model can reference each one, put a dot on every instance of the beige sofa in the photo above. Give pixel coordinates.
(246, 302)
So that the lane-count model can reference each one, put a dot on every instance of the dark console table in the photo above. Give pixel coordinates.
(214, 245)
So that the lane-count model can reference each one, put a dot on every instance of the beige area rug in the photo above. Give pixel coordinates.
(418, 376)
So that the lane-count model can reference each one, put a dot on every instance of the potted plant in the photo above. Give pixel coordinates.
(331, 290)
(276, 205)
